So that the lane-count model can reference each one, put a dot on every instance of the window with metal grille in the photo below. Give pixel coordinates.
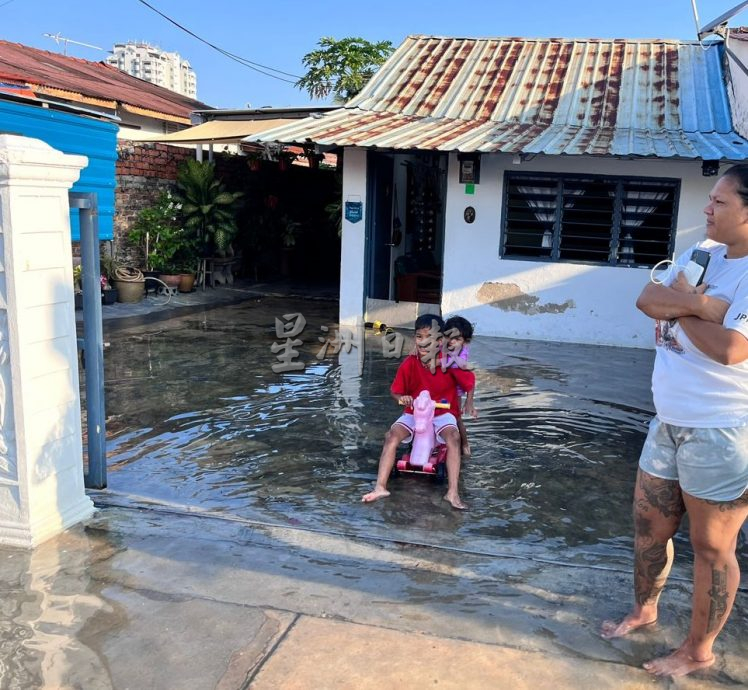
(589, 219)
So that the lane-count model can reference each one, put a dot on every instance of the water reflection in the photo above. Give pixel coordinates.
(196, 416)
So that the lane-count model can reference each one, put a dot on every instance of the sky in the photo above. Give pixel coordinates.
(278, 33)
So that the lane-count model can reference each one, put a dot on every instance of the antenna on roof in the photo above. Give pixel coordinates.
(57, 38)
(717, 26)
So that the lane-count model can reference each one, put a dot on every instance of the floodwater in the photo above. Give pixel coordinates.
(197, 418)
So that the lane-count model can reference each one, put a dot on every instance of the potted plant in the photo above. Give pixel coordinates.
(208, 210)
(285, 159)
(289, 231)
(254, 161)
(109, 293)
(168, 245)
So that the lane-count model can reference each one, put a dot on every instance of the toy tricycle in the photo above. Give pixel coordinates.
(426, 456)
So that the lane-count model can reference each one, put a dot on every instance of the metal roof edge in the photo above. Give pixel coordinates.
(563, 39)
(56, 105)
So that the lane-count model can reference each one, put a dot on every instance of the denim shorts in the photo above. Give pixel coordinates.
(441, 422)
(710, 464)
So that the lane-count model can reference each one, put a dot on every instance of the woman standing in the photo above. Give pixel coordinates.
(695, 458)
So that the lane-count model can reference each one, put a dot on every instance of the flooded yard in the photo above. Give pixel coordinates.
(198, 419)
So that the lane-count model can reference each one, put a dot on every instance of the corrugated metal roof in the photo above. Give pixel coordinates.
(554, 96)
(88, 82)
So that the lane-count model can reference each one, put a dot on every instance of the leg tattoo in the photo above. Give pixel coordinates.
(717, 599)
(664, 496)
(651, 563)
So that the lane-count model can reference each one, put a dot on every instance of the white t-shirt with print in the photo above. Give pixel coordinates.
(689, 388)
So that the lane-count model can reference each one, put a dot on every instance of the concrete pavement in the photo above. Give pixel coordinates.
(152, 596)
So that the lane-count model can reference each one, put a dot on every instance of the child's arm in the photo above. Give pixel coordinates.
(463, 378)
(406, 400)
(401, 384)
(469, 407)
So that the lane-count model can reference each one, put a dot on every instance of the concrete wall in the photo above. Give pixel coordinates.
(553, 301)
(738, 91)
(527, 299)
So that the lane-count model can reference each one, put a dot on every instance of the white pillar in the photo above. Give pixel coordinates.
(353, 241)
(41, 455)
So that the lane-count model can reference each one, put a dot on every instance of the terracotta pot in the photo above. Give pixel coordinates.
(171, 280)
(187, 282)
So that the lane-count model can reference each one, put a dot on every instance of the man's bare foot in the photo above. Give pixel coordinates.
(679, 663)
(455, 502)
(374, 495)
(611, 629)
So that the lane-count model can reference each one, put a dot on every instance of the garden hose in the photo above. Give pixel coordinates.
(128, 275)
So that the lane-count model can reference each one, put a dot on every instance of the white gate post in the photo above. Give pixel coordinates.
(41, 454)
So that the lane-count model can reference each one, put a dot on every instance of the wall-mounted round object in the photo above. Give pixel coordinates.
(469, 214)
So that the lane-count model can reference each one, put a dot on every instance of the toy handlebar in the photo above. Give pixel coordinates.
(440, 405)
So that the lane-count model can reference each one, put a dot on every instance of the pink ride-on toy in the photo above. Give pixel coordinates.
(425, 456)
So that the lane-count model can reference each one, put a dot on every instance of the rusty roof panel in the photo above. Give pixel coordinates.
(553, 96)
(353, 127)
(91, 80)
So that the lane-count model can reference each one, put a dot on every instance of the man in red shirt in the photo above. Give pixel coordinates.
(421, 371)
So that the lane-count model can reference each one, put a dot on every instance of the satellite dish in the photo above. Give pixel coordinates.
(714, 26)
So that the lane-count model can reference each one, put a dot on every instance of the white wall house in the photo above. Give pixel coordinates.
(595, 161)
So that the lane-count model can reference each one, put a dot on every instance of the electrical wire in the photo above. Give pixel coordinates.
(256, 66)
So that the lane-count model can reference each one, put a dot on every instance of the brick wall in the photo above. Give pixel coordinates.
(143, 172)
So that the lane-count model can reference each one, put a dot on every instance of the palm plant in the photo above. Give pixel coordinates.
(207, 208)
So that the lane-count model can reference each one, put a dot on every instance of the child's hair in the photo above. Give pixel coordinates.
(430, 321)
(461, 325)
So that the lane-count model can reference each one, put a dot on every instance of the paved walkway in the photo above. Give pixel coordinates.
(161, 597)
(156, 307)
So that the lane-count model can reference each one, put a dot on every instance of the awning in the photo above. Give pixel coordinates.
(224, 131)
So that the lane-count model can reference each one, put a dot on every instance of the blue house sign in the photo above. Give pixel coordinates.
(354, 211)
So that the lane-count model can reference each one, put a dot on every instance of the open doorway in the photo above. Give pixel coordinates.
(405, 235)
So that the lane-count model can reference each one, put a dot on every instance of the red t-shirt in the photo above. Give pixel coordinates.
(413, 376)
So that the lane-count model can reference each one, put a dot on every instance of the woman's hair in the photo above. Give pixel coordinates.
(461, 325)
(739, 173)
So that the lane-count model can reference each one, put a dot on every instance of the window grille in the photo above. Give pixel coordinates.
(589, 219)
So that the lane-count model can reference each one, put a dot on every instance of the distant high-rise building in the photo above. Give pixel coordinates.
(155, 65)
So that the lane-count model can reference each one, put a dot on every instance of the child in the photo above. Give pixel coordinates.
(459, 333)
(420, 371)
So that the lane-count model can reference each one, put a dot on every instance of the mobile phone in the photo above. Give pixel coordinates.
(696, 267)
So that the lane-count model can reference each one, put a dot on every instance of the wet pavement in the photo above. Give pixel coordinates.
(231, 549)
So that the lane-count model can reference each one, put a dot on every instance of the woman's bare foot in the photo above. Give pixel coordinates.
(455, 502)
(372, 496)
(611, 629)
(679, 663)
